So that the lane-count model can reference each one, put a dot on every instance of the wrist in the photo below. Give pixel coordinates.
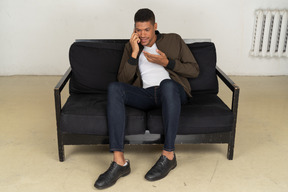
(171, 64)
(166, 62)
(134, 55)
(132, 61)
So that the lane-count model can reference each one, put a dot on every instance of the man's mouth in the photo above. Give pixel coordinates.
(144, 40)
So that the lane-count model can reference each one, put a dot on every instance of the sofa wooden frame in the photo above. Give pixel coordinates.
(147, 138)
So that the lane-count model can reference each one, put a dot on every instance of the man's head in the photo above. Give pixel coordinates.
(143, 15)
(145, 26)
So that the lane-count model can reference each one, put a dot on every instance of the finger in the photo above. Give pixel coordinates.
(147, 55)
(160, 52)
(150, 55)
(132, 36)
(135, 37)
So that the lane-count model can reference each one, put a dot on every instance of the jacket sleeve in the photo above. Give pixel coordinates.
(128, 66)
(185, 65)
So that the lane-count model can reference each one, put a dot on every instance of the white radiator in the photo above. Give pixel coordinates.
(270, 33)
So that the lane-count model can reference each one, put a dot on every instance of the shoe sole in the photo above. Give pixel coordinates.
(162, 176)
(105, 187)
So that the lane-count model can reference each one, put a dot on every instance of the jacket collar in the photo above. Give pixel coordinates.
(158, 35)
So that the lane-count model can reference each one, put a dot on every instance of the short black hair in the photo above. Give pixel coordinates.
(143, 15)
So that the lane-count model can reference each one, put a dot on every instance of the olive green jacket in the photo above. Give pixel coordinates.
(182, 64)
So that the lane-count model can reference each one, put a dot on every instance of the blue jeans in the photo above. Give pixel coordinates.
(169, 95)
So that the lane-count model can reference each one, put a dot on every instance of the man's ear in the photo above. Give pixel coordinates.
(155, 26)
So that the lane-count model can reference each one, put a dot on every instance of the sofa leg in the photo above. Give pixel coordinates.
(61, 153)
(230, 152)
(60, 148)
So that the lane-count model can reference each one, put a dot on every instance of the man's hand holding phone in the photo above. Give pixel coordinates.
(134, 40)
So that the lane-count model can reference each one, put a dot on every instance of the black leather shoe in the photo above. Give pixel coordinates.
(110, 177)
(161, 169)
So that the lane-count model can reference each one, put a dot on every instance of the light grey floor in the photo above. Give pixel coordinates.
(28, 146)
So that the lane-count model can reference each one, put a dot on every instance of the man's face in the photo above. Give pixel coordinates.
(146, 32)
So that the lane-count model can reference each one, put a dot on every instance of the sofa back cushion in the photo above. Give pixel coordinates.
(94, 65)
(205, 55)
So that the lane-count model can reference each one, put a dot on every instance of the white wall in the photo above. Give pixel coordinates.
(35, 35)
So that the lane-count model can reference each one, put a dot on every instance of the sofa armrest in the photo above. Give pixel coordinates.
(57, 92)
(228, 82)
(235, 99)
(234, 108)
(61, 84)
(232, 86)
(57, 95)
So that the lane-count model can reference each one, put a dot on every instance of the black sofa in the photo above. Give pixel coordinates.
(94, 64)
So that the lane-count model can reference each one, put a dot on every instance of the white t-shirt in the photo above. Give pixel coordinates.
(152, 74)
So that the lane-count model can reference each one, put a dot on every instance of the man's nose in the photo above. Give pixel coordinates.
(142, 34)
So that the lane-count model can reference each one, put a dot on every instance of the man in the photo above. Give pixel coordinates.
(153, 73)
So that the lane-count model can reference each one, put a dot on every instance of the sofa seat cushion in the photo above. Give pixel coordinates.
(202, 114)
(86, 114)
